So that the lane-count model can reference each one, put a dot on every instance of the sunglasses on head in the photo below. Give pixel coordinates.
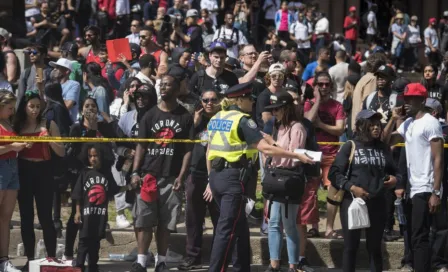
(209, 100)
(323, 84)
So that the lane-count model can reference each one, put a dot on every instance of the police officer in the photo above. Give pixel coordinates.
(234, 142)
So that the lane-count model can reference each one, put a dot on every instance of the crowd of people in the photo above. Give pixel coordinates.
(255, 81)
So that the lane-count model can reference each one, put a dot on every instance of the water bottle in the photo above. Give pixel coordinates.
(399, 211)
(117, 257)
(20, 250)
(60, 249)
(40, 252)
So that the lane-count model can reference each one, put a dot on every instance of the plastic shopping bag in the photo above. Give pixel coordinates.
(358, 215)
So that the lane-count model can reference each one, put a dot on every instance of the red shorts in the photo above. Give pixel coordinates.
(308, 210)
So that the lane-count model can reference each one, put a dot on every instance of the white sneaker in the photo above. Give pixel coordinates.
(173, 257)
(122, 222)
(7, 266)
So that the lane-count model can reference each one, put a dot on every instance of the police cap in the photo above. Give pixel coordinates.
(239, 90)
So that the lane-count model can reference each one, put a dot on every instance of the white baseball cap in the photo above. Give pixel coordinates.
(4, 33)
(276, 68)
(62, 62)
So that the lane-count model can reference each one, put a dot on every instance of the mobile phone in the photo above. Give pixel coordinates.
(198, 106)
(403, 110)
(40, 74)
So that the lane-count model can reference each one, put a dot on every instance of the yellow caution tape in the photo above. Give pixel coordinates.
(35, 139)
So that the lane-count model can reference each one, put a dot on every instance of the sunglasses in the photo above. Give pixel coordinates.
(32, 52)
(143, 37)
(277, 77)
(209, 100)
(323, 84)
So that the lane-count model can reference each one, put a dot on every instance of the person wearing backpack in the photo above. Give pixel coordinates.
(383, 100)
(214, 77)
(230, 36)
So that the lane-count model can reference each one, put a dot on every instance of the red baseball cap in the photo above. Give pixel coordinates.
(432, 20)
(148, 191)
(415, 89)
(352, 9)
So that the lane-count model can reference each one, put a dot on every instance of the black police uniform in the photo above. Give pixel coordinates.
(229, 192)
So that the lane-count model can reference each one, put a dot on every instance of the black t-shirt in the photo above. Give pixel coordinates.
(380, 105)
(165, 159)
(200, 81)
(195, 34)
(92, 191)
(263, 100)
(198, 156)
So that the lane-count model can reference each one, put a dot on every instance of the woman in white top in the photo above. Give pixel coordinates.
(414, 40)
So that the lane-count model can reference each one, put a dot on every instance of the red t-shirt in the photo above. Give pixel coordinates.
(352, 33)
(329, 112)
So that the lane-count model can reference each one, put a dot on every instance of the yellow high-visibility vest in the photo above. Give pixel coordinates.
(223, 137)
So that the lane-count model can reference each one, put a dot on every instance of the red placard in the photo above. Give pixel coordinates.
(46, 268)
(117, 47)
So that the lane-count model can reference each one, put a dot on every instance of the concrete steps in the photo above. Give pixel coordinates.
(320, 252)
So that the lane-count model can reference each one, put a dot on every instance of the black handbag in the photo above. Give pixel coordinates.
(282, 184)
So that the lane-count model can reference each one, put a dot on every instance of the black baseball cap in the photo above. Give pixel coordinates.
(367, 114)
(386, 71)
(279, 99)
(178, 72)
(400, 84)
(232, 63)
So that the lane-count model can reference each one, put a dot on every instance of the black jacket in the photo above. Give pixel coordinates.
(371, 163)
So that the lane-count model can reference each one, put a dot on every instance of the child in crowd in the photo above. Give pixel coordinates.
(91, 195)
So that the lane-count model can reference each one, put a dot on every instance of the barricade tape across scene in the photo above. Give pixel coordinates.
(31, 139)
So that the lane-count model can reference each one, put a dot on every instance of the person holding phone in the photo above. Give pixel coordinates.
(198, 195)
(330, 125)
(37, 73)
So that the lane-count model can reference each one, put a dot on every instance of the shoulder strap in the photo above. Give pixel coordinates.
(369, 99)
(350, 158)
(201, 75)
(25, 78)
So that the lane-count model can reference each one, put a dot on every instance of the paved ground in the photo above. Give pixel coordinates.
(108, 266)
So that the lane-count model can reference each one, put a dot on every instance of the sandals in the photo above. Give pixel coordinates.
(333, 235)
(313, 233)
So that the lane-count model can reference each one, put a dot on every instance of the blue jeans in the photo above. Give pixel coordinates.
(275, 234)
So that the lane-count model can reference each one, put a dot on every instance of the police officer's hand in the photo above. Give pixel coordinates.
(177, 184)
(208, 196)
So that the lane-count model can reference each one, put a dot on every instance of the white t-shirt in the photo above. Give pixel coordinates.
(31, 11)
(414, 34)
(417, 135)
(237, 37)
(300, 31)
(211, 5)
(371, 19)
(339, 74)
(431, 33)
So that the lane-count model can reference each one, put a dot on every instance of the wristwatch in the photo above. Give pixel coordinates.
(436, 193)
